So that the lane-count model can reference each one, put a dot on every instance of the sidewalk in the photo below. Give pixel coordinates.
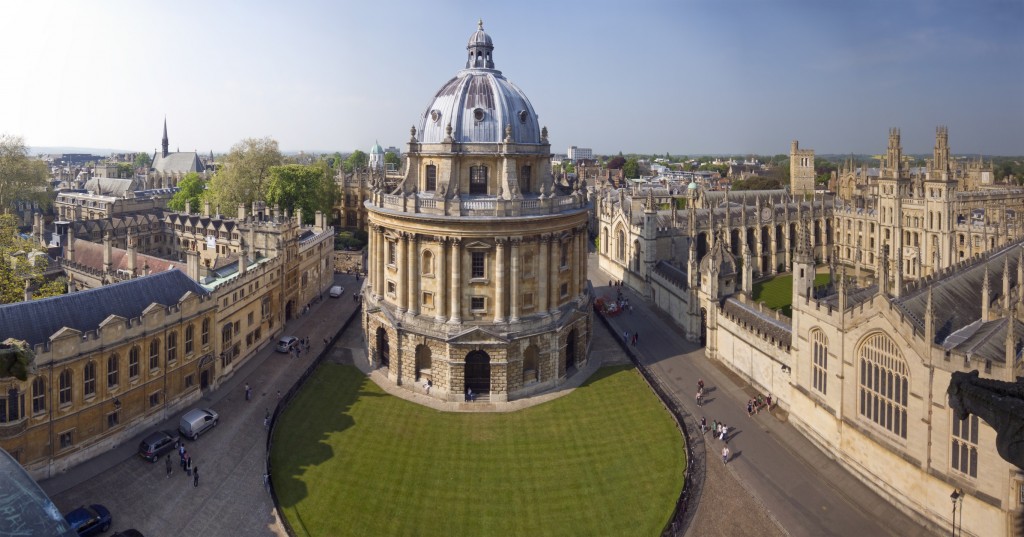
(231, 498)
(806, 492)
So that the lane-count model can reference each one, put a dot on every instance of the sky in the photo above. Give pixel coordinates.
(683, 77)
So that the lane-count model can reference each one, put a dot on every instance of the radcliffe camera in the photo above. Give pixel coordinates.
(708, 269)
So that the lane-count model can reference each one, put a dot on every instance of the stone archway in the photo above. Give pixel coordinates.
(531, 365)
(478, 372)
(423, 363)
(570, 352)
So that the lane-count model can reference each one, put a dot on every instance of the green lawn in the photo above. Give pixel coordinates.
(348, 459)
(777, 293)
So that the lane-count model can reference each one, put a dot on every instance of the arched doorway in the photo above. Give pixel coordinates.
(531, 369)
(383, 351)
(288, 310)
(478, 372)
(570, 351)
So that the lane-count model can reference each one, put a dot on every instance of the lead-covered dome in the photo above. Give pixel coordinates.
(479, 103)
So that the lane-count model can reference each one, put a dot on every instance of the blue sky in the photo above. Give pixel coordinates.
(686, 77)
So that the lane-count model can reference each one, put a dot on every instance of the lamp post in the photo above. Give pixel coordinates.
(956, 497)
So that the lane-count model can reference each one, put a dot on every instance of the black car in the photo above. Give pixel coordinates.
(158, 443)
(128, 533)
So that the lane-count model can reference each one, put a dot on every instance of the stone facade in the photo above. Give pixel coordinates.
(801, 170)
(477, 260)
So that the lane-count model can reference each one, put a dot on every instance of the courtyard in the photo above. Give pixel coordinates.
(349, 459)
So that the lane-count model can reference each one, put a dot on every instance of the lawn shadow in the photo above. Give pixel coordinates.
(320, 408)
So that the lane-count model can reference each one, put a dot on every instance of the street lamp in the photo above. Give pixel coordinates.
(956, 497)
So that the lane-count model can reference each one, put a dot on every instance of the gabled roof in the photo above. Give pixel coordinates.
(108, 186)
(178, 163)
(90, 254)
(36, 320)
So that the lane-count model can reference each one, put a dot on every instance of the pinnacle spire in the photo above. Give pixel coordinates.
(164, 143)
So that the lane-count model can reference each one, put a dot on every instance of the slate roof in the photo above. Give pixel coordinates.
(36, 320)
(90, 254)
(776, 329)
(956, 298)
(178, 163)
(108, 186)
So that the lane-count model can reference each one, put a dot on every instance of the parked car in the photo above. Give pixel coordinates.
(337, 291)
(287, 343)
(128, 533)
(158, 443)
(197, 421)
(92, 520)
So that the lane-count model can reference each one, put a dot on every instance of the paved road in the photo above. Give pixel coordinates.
(805, 491)
(231, 499)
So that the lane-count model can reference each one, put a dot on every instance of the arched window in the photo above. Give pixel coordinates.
(172, 346)
(431, 178)
(620, 243)
(38, 395)
(189, 334)
(563, 255)
(819, 368)
(884, 384)
(423, 363)
(427, 263)
(604, 241)
(206, 332)
(89, 380)
(531, 371)
(154, 354)
(112, 367)
(64, 382)
(524, 179)
(964, 457)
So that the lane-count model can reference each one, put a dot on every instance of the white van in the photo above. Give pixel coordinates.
(197, 421)
(337, 291)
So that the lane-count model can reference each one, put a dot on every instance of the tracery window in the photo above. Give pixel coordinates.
(964, 456)
(819, 369)
(884, 384)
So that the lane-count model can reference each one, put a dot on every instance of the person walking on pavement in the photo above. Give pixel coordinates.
(248, 392)
(725, 431)
(195, 476)
(168, 460)
(183, 454)
(725, 454)
(703, 426)
(188, 464)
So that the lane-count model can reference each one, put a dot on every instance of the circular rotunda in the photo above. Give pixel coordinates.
(476, 275)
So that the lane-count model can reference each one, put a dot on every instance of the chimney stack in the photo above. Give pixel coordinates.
(131, 253)
(108, 253)
(192, 264)
(241, 212)
(206, 208)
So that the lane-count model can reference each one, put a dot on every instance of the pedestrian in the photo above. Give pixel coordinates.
(181, 449)
(700, 398)
(183, 455)
(188, 464)
(725, 431)
(168, 460)
(195, 476)
(769, 401)
(703, 426)
(248, 392)
(700, 384)
(636, 335)
(750, 408)
(326, 341)
(714, 428)
(278, 395)
(625, 336)
(725, 454)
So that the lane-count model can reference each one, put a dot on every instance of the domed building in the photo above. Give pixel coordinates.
(376, 160)
(477, 278)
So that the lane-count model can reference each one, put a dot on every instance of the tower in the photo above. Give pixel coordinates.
(803, 266)
(164, 143)
(477, 260)
(801, 170)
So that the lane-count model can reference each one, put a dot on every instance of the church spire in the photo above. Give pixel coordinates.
(164, 143)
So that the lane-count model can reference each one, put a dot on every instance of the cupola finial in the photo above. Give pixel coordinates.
(480, 24)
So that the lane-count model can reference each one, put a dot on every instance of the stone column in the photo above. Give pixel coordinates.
(542, 278)
(554, 263)
(456, 298)
(441, 301)
(371, 252)
(403, 276)
(574, 260)
(382, 244)
(500, 290)
(414, 274)
(774, 249)
(514, 299)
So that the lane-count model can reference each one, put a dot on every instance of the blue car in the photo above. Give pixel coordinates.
(92, 520)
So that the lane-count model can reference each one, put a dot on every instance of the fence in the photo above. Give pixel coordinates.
(283, 402)
(693, 476)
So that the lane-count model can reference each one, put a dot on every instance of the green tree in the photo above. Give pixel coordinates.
(21, 262)
(21, 178)
(125, 170)
(190, 189)
(631, 169)
(356, 160)
(391, 158)
(142, 160)
(309, 187)
(245, 174)
(568, 167)
(616, 163)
